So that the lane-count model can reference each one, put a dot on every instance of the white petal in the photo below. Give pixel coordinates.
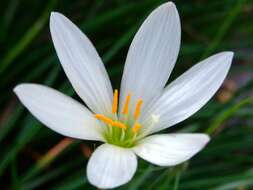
(170, 149)
(81, 64)
(59, 112)
(152, 55)
(188, 93)
(111, 166)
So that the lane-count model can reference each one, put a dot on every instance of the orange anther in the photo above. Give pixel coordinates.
(136, 127)
(104, 119)
(115, 101)
(125, 108)
(138, 109)
(119, 124)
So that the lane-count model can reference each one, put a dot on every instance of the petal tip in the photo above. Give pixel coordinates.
(229, 54)
(169, 5)
(19, 88)
(16, 90)
(54, 16)
(24, 88)
(202, 138)
(224, 58)
(206, 139)
(228, 57)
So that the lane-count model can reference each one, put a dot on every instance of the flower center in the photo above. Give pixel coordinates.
(124, 132)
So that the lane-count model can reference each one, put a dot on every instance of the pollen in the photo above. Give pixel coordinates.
(138, 109)
(126, 105)
(110, 121)
(119, 124)
(115, 102)
(122, 127)
(136, 127)
(104, 119)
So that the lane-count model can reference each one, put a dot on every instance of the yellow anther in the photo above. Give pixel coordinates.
(110, 121)
(119, 124)
(104, 119)
(138, 109)
(136, 127)
(115, 101)
(125, 108)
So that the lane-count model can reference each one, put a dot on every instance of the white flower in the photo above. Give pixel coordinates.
(145, 106)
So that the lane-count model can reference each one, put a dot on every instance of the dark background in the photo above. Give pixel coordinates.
(34, 157)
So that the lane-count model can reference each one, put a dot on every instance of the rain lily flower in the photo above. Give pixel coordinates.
(126, 120)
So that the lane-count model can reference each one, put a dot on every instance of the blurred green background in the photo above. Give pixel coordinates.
(34, 157)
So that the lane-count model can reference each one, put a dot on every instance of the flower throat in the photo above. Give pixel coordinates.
(124, 132)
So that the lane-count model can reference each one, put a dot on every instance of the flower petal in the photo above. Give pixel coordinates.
(152, 55)
(188, 93)
(59, 112)
(111, 166)
(81, 64)
(170, 149)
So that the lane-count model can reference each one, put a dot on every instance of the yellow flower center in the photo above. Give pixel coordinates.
(122, 133)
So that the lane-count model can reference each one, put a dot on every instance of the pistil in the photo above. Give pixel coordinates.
(119, 132)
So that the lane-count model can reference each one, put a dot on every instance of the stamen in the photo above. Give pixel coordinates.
(138, 109)
(125, 108)
(136, 127)
(119, 124)
(104, 119)
(110, 121)
(115, 101)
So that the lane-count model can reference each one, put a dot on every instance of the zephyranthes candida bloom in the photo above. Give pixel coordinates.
(125, 121)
